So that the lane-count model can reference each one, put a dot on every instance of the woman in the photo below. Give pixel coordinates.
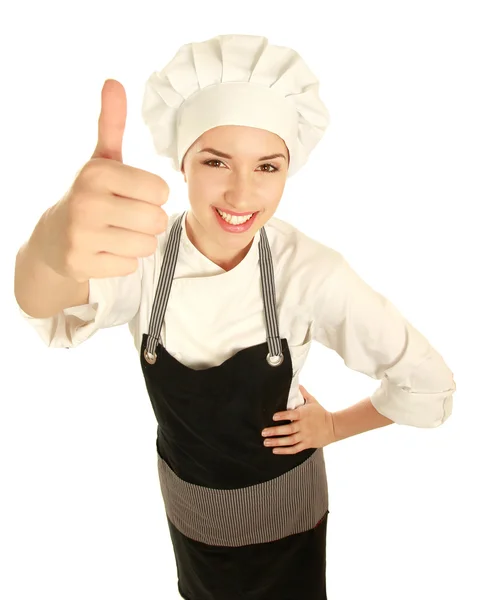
(223, 315)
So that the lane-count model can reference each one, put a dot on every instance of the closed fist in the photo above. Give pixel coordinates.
(112, 213)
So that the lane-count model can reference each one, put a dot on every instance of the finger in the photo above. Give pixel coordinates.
(305, 393)
(289, 450)
(125, 181)
(128, 244)
(290, 415)
(105, 265)
(112, 121)
(289, 440)
(134, 215)
(283, 430)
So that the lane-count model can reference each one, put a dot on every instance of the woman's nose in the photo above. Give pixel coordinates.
(239, 190)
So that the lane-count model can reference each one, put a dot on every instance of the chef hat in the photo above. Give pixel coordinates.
(234, 80)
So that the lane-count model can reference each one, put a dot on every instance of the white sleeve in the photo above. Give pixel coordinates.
(112, 301)
(372, 337)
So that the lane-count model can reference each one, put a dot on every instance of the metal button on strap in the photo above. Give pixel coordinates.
(150, 358)
(274, 361)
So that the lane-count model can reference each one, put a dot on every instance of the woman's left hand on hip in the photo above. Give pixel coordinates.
(311, 427)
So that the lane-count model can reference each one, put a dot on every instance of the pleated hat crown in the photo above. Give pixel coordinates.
(234, 80)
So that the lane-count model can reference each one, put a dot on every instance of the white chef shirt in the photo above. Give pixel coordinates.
(213, 313)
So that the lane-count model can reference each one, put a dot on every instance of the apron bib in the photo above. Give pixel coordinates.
(244, 523)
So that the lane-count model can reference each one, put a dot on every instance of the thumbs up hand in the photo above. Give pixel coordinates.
(112, 213)
(112, 121)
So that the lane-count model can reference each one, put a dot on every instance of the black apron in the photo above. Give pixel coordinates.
(244, 522)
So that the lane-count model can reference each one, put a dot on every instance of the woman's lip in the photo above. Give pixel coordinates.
(234, 228)
(231, 212)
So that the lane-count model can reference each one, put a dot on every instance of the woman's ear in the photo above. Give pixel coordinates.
(182, 168)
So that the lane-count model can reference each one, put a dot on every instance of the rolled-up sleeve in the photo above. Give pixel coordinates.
(372, 337)
(112, 301)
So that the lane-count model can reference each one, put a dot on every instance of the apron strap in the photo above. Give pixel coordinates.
(274, 356)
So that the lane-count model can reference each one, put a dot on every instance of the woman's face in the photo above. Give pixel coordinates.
(243, 181)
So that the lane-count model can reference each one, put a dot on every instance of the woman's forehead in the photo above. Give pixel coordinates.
(240, 139)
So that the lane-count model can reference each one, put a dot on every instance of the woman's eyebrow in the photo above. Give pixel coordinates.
(224, 155)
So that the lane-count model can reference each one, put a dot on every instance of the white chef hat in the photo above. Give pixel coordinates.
(234, 80)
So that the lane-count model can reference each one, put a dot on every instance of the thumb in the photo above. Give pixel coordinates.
(307, 396)
(112, 121)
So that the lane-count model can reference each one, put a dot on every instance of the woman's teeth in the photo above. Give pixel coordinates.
(232, 219)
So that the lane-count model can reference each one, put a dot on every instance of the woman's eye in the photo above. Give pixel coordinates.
(214, 163)
(269, 165)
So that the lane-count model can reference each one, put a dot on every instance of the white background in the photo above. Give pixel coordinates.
(406, 183)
